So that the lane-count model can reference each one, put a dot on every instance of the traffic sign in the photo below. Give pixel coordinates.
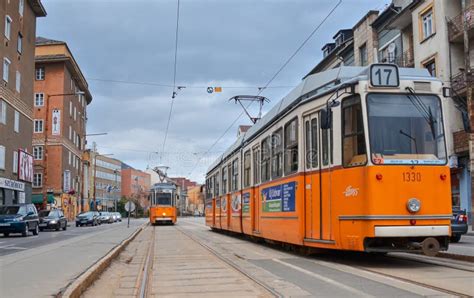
(130, 206)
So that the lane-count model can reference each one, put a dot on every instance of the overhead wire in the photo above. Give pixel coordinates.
(270, 81)
(174, 82)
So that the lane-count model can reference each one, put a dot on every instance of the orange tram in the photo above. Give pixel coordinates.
(354, 158)
(163, 198)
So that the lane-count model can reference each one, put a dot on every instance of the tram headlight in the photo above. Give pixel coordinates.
(413, 205)
(164, 214)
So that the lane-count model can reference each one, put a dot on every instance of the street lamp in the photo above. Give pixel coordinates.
(45, 157)
(95, 176)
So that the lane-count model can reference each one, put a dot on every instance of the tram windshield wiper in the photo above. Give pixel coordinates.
(424, 110)
(411, 138)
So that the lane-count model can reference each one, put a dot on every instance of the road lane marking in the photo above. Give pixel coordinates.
(12, 246)
(324, 279)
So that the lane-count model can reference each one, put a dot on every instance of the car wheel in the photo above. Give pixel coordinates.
(65, 226)
(455, 238)
(25, 231)
(41, 229)
(77, 225)
(36, 230)
(6, 234)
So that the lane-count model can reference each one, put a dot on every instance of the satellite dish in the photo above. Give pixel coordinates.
(391, 48)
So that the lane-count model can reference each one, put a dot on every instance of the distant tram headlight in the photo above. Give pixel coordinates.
(164, 214)
(413, 205)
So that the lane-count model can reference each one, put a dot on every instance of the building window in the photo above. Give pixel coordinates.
(39, 73)
(70, 132)
(427, 23)
(70, 108)
(16, 123)
(39, 99)
(15, 162)
(247, 168)
(277, 153)
(2, 157)
(3, 112)
(37, 180)
(38, 152)
(21, 7)
(291, 146)
(38, 126)
(75, 113)
(69, 157)
(431, 67)
(8, 27)
(354, 152)
(6, 69)
(18, 81)
(19, 45)
(363, 55)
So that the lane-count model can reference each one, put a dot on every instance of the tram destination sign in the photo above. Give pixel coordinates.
(384, 75)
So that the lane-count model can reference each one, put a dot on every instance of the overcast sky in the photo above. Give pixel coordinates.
(236, 44)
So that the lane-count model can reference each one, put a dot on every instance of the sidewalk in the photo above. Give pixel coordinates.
(43, 271)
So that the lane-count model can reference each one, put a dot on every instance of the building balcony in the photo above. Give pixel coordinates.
(459, 82)
(456, 26)
(405, 59)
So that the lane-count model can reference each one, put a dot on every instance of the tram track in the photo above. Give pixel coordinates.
(147, 267)
(260, 283)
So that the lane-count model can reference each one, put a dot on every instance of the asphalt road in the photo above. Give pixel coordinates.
(15, 242)
(463, 247)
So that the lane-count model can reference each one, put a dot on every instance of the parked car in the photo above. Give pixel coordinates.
(197, 213)
(106, 217)
(88, 218)
(458, 224)
(52, 219)
(114, 216)
(119, 216)
(20, 218)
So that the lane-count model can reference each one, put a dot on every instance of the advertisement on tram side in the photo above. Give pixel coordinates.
(246, 202)
(279, 198)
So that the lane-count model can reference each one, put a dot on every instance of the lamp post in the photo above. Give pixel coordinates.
(95, 176)
(115, 188)
(45, 157)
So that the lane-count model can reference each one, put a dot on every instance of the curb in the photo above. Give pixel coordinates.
(78, 286)
(446, 255)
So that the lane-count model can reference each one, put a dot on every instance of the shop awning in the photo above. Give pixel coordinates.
(38, 199)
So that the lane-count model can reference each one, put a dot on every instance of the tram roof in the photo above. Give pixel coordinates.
(312, 87)
(159, 186)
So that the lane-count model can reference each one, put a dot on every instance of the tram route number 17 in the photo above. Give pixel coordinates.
(384, 75)
(411, 177)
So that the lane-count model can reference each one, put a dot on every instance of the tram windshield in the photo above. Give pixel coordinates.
(163, 198)
(406, 129)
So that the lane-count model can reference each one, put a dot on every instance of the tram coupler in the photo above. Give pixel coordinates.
(430, 246)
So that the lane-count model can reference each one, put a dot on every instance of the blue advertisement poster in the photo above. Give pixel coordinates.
(279, 198)
(246, 202)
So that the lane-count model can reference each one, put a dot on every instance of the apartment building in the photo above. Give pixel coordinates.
(17, 54)
(431, 34)
(61, 96)
(135, 184)
(106, 175)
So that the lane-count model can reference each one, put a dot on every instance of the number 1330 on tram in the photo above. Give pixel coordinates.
(354, 158)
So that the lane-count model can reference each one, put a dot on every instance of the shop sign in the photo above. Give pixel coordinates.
(12, 184)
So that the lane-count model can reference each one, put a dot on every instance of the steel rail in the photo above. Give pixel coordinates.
(144, 285)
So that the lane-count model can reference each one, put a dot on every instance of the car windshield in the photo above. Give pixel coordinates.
(47, 213)
(87, 214)
(406, 129)
(12, 210)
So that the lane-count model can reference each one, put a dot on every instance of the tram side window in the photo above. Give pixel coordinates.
(311, 131)
(354, 150)
(235, 175)
(277, 153)
(256, 165)
(291, 146)
(247, 168)
(216, 184)
(224, 180)
(265, 159)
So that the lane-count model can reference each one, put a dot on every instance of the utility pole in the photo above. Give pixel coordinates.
(469, 93)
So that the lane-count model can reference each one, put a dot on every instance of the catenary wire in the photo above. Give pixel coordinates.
(174, 82)
(271, 80)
